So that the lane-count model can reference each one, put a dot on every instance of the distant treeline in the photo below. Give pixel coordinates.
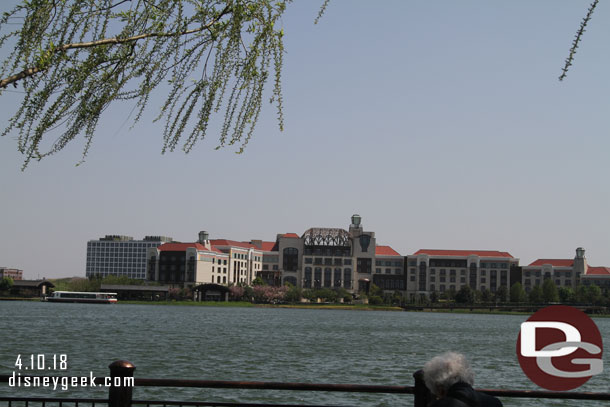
(94, 283)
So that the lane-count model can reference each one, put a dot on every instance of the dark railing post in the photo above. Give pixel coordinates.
(120, 396)
(420, 391)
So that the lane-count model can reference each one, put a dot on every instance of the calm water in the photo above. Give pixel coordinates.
(295, 345)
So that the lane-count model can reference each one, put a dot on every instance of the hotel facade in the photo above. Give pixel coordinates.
(332, 258)
(120, 255)
(431, 270)
(565, 272)
(324, 257)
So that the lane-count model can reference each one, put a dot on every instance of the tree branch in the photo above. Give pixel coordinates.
(107, 41)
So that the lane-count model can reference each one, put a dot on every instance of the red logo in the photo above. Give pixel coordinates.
(559, 348)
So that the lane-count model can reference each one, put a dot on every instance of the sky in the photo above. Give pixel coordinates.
(443, 124)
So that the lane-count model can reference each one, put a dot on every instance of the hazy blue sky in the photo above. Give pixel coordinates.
(441, 123)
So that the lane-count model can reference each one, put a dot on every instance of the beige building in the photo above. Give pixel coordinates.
(220, 261)
(565, 272)
(331, 258)
(432, 270)
(14, 274)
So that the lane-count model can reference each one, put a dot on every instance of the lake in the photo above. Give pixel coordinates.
(265, 344)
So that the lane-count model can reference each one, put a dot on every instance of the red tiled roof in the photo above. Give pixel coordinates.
(598, 271)
(554, 262)
(385, 251)
(180, 247)
(269, 247)
(225, 242)
(480, 253)
(291, 235)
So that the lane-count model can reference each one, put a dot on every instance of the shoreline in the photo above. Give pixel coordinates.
(344, 307)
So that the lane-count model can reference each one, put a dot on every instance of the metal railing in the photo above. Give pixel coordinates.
(122, 396)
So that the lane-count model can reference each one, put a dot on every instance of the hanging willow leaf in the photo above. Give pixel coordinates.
(72, 59)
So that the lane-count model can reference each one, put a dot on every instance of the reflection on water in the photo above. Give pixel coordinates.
(265, 344)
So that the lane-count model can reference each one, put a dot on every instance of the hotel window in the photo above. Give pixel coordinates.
(317, 279)
(378, 270)
(388, 271)
(308, 260)
(431, 287)
(432, 278)
(347, 278)
(307, 279)
(347, 262)
(337, 276)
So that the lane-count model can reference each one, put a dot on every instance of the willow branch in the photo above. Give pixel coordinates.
(107, 41)
(577, 38)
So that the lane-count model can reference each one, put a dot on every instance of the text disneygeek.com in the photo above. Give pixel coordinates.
(64, 383)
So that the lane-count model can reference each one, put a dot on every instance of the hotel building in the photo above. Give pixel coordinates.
(14, 274)
(431, 270)
(206, 261)
(332, 258)
(120, 255)
(565, 272)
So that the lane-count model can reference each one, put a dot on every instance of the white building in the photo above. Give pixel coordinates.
(220, 261)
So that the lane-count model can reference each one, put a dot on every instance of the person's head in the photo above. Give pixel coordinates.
(445, 370)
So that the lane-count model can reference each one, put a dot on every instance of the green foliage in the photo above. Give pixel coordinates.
(73, 59)
(293, 294)
(594, 295)
(517, 293)
(536, 295)
(486, 295)
(434, 297)
(94, 283)
(465, 295)
(566, 295)
(501, 294)
(258, 281)
(375, 300)
(6, 283)
(374, 290)
(549, 291)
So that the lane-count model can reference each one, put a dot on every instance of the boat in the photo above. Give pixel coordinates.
(85, 297)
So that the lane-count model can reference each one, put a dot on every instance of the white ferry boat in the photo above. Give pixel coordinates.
(75, 296)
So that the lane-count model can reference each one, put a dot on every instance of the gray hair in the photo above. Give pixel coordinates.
(445, 370)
